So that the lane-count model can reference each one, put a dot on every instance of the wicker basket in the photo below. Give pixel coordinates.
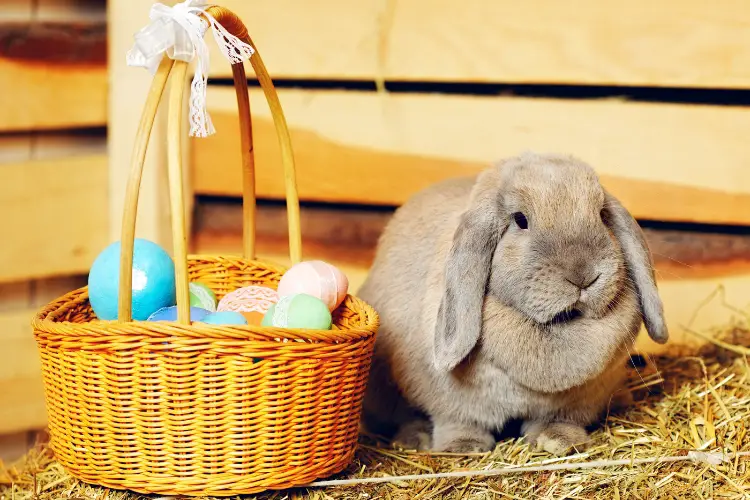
(198, 409)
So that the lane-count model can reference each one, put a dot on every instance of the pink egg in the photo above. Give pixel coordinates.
(248, 299)
(316, 278)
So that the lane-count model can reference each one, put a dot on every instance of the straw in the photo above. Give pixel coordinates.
(686, 436)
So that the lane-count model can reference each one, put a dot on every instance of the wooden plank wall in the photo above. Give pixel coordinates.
(53, 63)
(685, 43)
(384, 98)
(641, 148)
(351, 145)
(53, 182)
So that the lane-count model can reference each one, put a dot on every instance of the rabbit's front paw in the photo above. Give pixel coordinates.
(460, 438)
(414, 435)
(558, 438)
(469, 445)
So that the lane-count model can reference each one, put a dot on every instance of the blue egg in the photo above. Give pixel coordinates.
(170, 314)
(225, 318)
(153, 280)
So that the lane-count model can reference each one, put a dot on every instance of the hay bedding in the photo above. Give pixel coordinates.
(693, 399)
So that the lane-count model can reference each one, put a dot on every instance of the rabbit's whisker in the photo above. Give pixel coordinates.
(673, 260)
(660, 274)
(640, 376)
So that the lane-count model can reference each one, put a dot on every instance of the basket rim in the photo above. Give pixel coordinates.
(42, 323)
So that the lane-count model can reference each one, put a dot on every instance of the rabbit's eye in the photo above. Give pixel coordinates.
(604, 215)
(520, 220)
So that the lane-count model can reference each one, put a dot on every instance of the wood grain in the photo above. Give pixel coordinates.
(665, 161)
(36, 95)
(55, 211)
(55, 43)
(15, 296)
(68, 144)
(13, 446)
(16, 11)
(53, 191)
(127, 96)
(21, 387)
(15, 148)
(71, 11)
(21, 390)
(335, 39)
(44, 291)
(54, 75)
(688, 43)
(53, 11)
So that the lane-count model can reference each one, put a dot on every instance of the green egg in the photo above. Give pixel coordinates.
(202, 296)
(298, 311)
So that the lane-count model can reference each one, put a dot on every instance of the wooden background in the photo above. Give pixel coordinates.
(694, 155)
(53, 181)
(382, 99)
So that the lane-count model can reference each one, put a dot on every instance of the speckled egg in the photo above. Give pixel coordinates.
(248, 299)
(298, 311)
(316, 278)
(202, 296)
(153, 280)
(170, 314)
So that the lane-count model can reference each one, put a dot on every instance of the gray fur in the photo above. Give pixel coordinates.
(467, 300)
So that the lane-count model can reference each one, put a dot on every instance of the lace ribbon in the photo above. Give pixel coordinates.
(179, 32)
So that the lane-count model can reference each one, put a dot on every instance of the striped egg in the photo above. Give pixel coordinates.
(317, 278)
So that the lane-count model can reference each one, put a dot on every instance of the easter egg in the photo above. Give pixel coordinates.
(298, 311)
(225, 318)
(202, 296)
(316, 278)
(248, 299)
(253, 317)
(153, 280)
(170, 314)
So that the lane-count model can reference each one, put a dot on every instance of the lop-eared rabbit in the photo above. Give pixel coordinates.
(515, 294)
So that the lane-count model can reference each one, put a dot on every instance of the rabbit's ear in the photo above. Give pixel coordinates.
(466, 272)
(639, 265)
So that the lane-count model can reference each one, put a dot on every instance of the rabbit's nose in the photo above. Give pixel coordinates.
(580, 280)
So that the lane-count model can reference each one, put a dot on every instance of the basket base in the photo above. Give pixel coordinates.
(220, 485)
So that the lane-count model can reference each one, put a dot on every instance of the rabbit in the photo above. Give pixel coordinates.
(510, 295)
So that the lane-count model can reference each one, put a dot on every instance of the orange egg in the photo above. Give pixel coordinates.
(253, 317)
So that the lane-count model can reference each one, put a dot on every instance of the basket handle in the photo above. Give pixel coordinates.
(178, 70)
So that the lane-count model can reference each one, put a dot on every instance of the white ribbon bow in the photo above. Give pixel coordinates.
(178, 31)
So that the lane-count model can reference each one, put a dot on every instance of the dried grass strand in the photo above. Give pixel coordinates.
(743, 351)
(713, 458)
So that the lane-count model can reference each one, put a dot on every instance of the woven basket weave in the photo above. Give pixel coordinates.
(199, 409)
